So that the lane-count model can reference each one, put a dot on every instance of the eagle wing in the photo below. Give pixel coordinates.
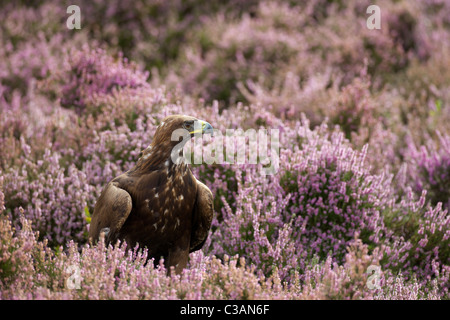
(110, 212)
(202, 217)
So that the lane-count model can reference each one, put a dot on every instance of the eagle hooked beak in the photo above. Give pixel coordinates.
(202, 127)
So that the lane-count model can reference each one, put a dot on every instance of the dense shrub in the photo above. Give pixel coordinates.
(364, 151)
(429, 169)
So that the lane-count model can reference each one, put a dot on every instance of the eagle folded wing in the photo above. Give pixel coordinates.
(202, 217)
(110, 212)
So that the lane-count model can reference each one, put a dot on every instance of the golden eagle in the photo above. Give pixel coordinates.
(158, 204)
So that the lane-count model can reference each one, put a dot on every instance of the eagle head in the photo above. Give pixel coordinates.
(170, 136)
(175, 126)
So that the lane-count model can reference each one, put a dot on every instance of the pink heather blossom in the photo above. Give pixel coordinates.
(363, 177)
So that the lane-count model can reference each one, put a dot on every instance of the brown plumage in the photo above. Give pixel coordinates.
(158, 204)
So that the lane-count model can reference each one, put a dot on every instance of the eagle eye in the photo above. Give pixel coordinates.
(189, 125)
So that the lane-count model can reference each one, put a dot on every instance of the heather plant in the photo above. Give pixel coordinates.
(354, 109)
(93, 73)
(11, 130)
(429, 169)
(34, 41)
(223, 179)
(362, 182)
(329, 280)
(333, 196)
(229, 55)
(256, 232)
(418, 99)
(52, 197)
(292, 97)
(320, 198)
(113, 152)
(2, 195)
(152, 32)
(36, 121)
(420, 240)
(29, 269)
(24, 261)
(403, 39)
(398, 288)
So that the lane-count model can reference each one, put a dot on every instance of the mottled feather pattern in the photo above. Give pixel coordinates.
(158, 204)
